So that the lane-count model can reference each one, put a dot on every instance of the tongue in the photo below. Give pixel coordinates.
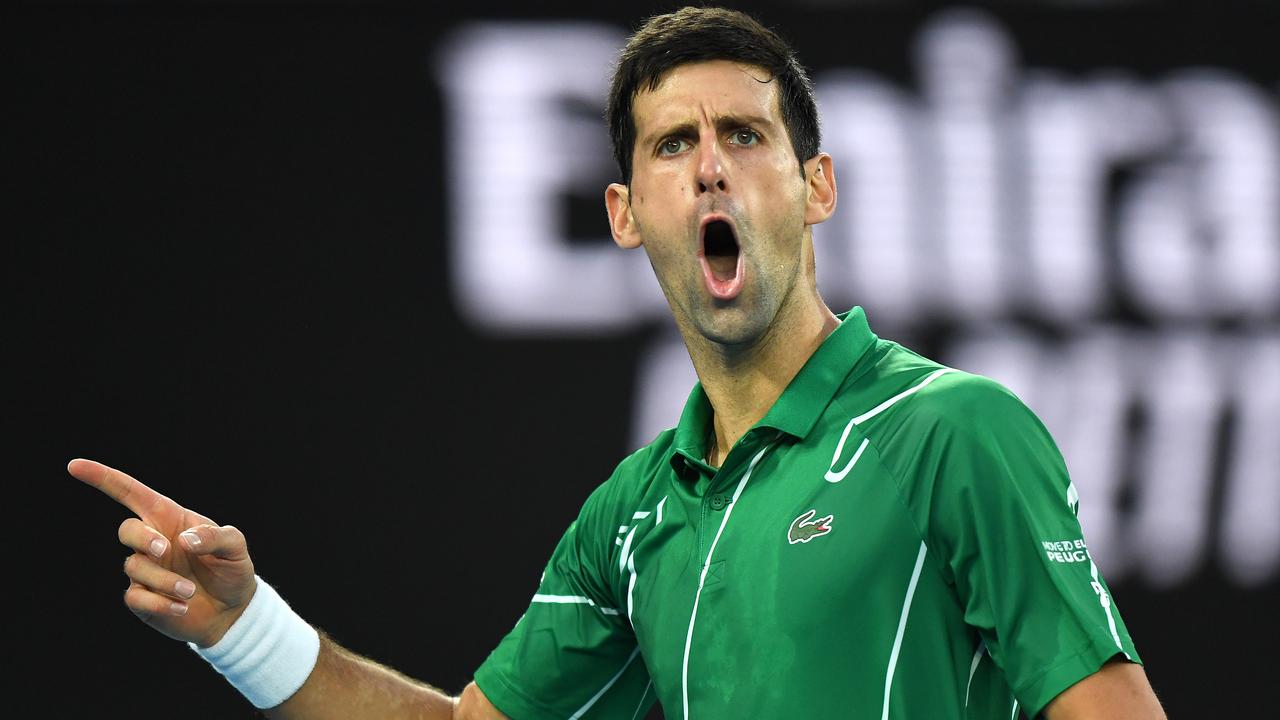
(723, 267)
(723, 275)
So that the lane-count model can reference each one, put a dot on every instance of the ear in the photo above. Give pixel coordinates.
(617, 200)
(820, 178)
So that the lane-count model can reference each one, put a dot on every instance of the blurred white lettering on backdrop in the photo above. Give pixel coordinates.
(1137, 220)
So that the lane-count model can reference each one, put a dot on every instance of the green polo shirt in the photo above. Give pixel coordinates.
(895, 539)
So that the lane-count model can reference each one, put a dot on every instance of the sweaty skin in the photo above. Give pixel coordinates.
(710, 143)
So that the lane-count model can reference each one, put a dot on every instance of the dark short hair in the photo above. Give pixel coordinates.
(695, 34)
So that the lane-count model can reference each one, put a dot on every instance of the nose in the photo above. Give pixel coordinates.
(711, 175)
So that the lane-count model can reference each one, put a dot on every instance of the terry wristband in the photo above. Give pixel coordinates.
(268, 652)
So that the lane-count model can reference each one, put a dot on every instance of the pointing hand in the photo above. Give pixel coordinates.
(189, 577)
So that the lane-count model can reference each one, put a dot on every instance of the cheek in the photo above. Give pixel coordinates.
(778, 176)
(784, 195)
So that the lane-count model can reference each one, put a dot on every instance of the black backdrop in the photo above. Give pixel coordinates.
(228, 276)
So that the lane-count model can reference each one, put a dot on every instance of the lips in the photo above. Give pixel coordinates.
(721, 257)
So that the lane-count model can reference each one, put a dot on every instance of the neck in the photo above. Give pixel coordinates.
(743, 382)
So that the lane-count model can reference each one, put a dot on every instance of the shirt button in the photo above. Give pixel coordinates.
(718, 501)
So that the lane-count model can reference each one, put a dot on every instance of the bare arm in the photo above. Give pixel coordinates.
(1118, 691)
(191, 579)
(345, 685)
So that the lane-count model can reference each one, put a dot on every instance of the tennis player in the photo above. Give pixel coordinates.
(836, 526)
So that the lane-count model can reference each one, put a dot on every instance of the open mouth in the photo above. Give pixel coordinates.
(721, 249)
(721, 259)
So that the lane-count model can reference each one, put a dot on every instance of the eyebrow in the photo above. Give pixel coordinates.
(723, 123)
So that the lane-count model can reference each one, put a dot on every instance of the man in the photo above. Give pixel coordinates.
(835, 526)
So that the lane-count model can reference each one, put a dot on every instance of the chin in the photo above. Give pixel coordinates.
(732, 326)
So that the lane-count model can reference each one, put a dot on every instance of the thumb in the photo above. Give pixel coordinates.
(225, 542)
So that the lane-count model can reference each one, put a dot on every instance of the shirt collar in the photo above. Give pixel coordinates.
(797, 410)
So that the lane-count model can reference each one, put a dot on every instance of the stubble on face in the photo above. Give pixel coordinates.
(763, 193)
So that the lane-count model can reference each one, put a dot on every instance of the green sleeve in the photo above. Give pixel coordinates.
(573, 653)
(1003, 517)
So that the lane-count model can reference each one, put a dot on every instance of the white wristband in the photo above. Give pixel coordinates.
(268, 652)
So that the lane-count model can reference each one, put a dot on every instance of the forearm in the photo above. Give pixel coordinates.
(346, 685)
(241, 625)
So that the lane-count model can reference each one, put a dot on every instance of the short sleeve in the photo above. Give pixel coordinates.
(573, 653)
(1003, 516)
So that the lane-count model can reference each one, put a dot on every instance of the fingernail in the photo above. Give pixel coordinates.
(158, 547)
(184, 588)
(193, 540)
(178, 608)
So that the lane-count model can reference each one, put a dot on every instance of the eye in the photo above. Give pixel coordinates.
(744, 136)
(672, 145)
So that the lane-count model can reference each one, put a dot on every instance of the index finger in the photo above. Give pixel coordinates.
(119, 486)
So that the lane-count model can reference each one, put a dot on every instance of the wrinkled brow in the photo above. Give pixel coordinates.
(723, 124)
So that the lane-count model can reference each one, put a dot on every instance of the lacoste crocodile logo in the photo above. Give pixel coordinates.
(805, 528)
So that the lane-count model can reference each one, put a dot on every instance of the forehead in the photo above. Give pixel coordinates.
(709, 89)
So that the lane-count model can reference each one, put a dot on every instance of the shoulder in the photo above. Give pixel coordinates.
(979, 435)
(613, 503)
(906, 389)
(646, 462)
(967, 401)
(965, 451)
(926, 415)
(966, 412)
(632, 479)
(952, 398)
